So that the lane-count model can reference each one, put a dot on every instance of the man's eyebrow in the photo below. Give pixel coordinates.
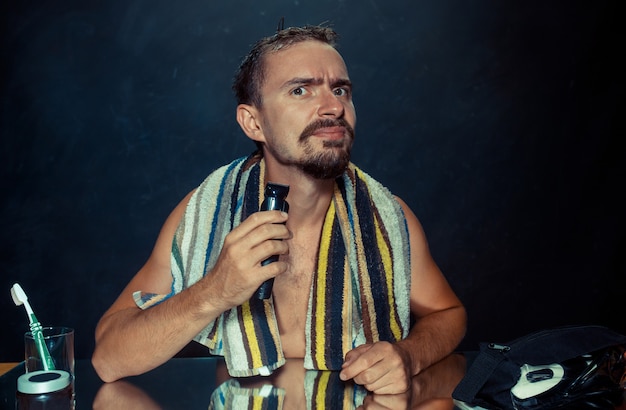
(340, 82)
(302, 81)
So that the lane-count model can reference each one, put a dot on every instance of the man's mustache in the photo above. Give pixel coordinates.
(326, 123)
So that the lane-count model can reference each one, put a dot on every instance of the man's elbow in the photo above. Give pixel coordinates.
(103, 367)
(460, 320)
(100, 362)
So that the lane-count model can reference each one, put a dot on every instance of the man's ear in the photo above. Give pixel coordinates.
(249, 121)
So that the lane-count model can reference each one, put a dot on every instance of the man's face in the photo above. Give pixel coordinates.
(307, 115)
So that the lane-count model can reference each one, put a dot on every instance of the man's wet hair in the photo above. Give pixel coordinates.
(251, 73)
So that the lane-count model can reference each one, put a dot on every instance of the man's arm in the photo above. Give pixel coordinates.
(131, 341)
(386, 368)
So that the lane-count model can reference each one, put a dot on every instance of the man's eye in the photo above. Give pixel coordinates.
(299, 91)
(342, 92)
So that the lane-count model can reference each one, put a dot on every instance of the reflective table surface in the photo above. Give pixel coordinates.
(201, 383)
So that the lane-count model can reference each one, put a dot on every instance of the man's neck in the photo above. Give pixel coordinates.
(308, 197)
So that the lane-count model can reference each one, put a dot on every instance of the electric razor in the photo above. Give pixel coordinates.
(275, 195)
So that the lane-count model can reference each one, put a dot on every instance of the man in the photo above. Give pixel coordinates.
(355, 288)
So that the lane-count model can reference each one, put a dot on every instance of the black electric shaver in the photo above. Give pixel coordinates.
(275, 195)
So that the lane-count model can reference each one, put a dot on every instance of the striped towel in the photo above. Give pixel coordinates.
(360, 291)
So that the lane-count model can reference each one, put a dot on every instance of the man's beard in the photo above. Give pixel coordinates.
(332, 161)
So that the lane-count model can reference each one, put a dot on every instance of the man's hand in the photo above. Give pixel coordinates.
(238, 271)
(382, 368)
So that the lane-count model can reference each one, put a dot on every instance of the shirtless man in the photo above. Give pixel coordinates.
(304, 83)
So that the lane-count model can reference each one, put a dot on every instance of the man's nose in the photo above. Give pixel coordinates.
(330, 105)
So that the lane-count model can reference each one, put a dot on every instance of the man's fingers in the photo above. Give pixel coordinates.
(256, 220)
(254, 238)
(377, 367)
(356, 362)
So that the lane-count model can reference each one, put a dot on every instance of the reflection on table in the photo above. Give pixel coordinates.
(292, 387)
(201, 383)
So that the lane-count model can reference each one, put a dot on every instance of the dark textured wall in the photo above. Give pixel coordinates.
(497, 122)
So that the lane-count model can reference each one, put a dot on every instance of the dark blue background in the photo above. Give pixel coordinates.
(499, 123)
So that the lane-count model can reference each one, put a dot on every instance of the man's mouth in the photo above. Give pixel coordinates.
(330, 133)
(329, 130)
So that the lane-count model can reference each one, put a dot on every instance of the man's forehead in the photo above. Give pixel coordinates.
(307, 59)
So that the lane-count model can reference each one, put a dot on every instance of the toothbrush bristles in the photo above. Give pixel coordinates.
(20, 298)
(16, 300)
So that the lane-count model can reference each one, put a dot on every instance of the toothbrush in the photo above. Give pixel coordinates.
(20, 298)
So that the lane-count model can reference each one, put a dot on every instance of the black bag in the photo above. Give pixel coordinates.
(574, 367)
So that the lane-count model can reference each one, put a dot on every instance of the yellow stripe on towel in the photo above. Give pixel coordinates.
(253, 344)
(322, 269)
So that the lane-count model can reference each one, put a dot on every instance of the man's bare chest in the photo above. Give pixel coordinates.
(292, 288)
(291, 292)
